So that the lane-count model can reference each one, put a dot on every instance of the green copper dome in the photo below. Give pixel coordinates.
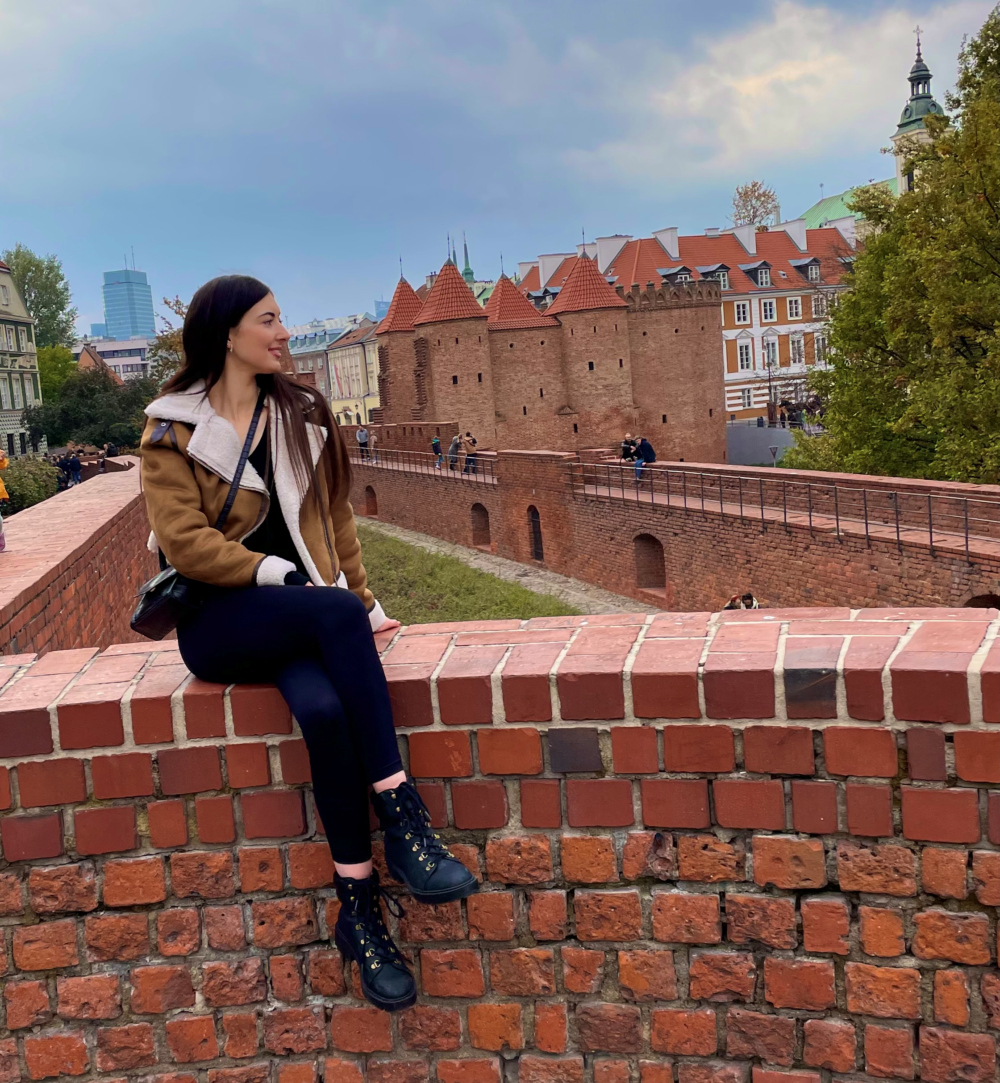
(921, 102)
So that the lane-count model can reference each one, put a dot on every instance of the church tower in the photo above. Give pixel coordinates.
(911, 121)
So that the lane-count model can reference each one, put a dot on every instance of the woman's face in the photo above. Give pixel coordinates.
(258, 340)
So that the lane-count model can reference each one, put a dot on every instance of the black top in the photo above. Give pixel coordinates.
(271, 538)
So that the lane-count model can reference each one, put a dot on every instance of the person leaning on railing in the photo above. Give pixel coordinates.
(269, 604)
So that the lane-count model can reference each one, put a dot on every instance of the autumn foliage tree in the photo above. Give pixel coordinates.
(754, 204)
(166, 350)
(914, 384)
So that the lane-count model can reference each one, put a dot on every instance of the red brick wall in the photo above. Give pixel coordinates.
(676, 373)
(524, 363)
(72, 566)
(433, 503)
(784, 857)
(461, 348)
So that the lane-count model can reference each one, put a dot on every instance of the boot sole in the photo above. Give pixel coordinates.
(461, 891)
(373, 998)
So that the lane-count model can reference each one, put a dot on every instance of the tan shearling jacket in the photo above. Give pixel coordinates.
(187, 469)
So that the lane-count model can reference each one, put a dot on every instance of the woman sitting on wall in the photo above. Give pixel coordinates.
(282, 596)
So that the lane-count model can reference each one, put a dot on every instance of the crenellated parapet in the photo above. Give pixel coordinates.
(667, 295)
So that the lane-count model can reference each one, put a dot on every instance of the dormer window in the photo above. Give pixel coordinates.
(682, 277)
(722, 277)
(813, 272)
(764, 276)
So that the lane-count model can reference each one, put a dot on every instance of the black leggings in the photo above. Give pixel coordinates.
(316, 645)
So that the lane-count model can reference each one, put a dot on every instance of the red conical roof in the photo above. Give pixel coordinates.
(449, 299)
(583, 289)
(509, 310)
(403, 309)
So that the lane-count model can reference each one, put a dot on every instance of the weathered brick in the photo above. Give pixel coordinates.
(64, 888)
(233, 984)
(755, 917)
(647, 975)
(884, 991)
(522, 972)
(495, 1027)
(686, 919)
(432, 1029)
(799, 983)
(160, 989)
(721, 976)
(826, 925)
(609, 1028)
(191, 1038)
(683, 1032)
(829, 1043)
(94, 996)
(294, 1030)
(959, 938)
(751, 1034)
(452, 973)
(118, 937)
(588, 859)
(583, 969)
(789, 863)
(608, 915)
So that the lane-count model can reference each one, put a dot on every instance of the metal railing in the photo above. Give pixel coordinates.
(958, 523)
(481, 471)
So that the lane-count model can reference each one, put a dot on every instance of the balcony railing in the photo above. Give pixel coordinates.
(958, 523)
(481, 472)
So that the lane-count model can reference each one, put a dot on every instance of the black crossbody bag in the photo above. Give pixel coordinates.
(168, 597)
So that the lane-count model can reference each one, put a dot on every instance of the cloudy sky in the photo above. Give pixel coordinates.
(314, 142)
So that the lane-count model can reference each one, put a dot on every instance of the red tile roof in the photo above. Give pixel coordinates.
(509, 310)
(640, 259)
(583, 289)
(403, 308)
(449, 299)
(530, 281)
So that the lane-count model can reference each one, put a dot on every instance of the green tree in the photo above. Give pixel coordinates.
(914, 387)
(166, 350)
(45, 292)
(29, 481)
(55, 365)
(92, 408)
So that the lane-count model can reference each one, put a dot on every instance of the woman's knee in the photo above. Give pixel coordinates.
(344, 607)
(318, 712)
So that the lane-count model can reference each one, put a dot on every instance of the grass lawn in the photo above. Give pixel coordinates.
(417, 587)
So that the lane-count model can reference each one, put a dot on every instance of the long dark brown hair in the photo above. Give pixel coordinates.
(216, 308)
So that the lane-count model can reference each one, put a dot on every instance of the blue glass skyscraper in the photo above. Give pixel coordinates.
(128, 305)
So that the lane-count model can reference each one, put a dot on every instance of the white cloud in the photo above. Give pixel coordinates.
(805, 81)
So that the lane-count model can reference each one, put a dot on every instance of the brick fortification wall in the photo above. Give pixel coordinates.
(710, 850)
(590, 532)
(72, 566)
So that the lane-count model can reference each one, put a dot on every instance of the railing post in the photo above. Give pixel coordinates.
(965, 502)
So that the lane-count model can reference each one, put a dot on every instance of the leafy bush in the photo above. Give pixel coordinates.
(29, 481)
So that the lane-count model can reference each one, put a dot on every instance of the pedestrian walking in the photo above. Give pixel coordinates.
(469, 447)
(453, 449)
(361, 435)
(373, 445)
(266, 603)
(436, 452)
(75, 469)
(644, 456)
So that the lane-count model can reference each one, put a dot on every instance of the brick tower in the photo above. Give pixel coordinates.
(396, 357)
(452, 378)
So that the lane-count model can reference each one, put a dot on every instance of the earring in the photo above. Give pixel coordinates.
(229, 347)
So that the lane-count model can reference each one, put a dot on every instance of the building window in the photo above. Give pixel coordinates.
(590, 366)
(10, 443)
(575, 427)
(454, 379)
(479, 377)
(10, 337)
(764, 277)
(524, 410)
(722, 277)
(819, 305)
(798, 351)
(5, 295)
(22, 339)
(541, 393)
(795, 308)
(621, 362)
(682, 277)
(4, 393)
(768, 312)
(770, 351)
(29, 390)
(15, 388)
(663, 419)
(746, 355)
(813, 272)
(24, 443)
(742, 311)
(745, 400)
(821, 349)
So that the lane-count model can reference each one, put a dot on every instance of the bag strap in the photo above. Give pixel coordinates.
(244, 455)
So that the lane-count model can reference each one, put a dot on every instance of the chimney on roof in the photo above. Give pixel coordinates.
(712, 231)
(668, 241)
(429, 280)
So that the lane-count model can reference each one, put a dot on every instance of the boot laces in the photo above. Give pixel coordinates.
(425, 841)
(369, 921)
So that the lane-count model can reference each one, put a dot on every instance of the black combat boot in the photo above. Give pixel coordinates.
(414, 853)
(361, 935)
